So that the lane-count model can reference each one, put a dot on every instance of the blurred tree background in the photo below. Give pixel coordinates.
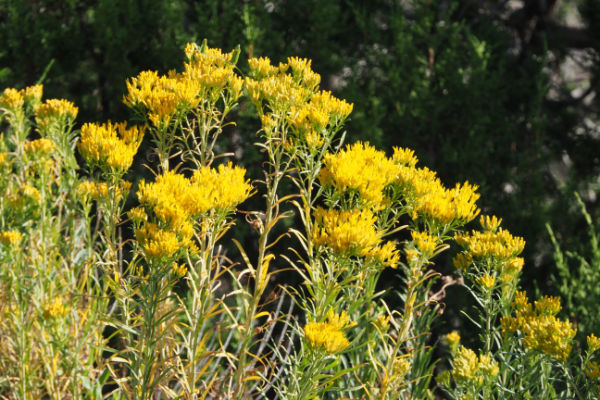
(500, 93)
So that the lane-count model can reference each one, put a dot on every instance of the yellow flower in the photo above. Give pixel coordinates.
(350, 231)
(471, 369)
(593, 343)
(261, 67)
(12, 100)
(542, 331)
(592, 370)
(33, 95)
(113, 145)
(175, 198)
(157, 243)
(499, 244)
(11, 238)
(462, 261)
(359, 167)
(424, 242)
(179, 270)
(55, 308)
(466, 366)
(490, 223)
(40, 147)
(31, 192)
(486, 281)
(328, 335)
(55, 111)
(137, 214)
(453, 340)
(404, 156)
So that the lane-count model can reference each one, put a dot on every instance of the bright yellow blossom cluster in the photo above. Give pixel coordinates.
(12, 99)
(41, 147)
(328, 335)
(100, 190)
(207, 72)
(55, 308)
(469, 368)
(11, 238)
(352, 232)
(362, 168)
(177, 200)
(493, 243)
(541, 329)
(424, 242)
(453, 340)
(291, 94)
(593, 343)
(55, 111)
(160, 243)
(111, 145)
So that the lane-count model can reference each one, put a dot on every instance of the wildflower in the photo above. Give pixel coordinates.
(328, 335)
(404, 156)
(424, 242)
(39, 147)
(453, 340)
(11, 238)
(113, 145)
(542, 331)
(592, 370)
(593, 343)
(471, 369)
(157, 243)
(261, 68)
(179, 270)
(486, 281)
(55, 112)
(137, 214)
(359, 167)
(31, 192)
(466, 365)
(462, 261)
(387, 254)
(223, 188)
(33, 95)
(490, 223)
(351, 231)
(498, 245)
(12, 100)
(55, 308)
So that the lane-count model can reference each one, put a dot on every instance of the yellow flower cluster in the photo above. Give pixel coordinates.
(11, 238)
(593, 343)
(175, 198)
(291, 94)
(12, 99)
(100, 190)
(328, 335)
(207, 72)
(493, 243)
(362, 168)
(111, 145)
(541, 329)
(41, 147)
(160, 243)
(55, 111)
(468, 368)
(424, 242)
(55, 308)
(426, 195)
(176, 201)
(453, 340)
(353, 232)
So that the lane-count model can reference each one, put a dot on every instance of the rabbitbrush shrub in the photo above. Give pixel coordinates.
(178, 312)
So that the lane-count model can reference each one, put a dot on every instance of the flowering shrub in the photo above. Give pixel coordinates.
(168, 314)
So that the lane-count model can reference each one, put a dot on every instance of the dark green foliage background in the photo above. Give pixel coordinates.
(463, 83)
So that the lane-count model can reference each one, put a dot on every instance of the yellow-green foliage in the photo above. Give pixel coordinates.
(171, 314)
